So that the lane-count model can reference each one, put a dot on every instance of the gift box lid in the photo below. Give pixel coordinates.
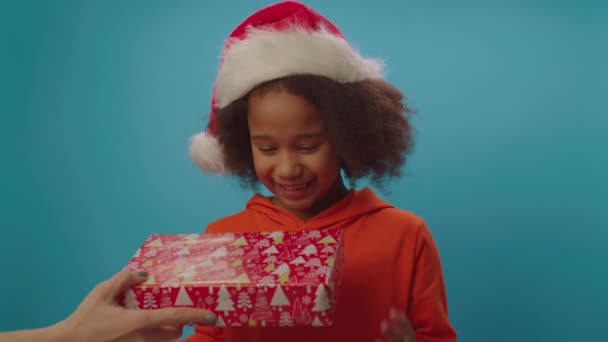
(260, 258)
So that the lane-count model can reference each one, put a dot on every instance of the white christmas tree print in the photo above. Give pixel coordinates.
(242, 279)
(165, 299)
(321, 300)
(220, 322)
(314, 262)
(323, 269)
(279, 298)
(238, 252)
(206, 263)
(317, 322)
(183, 299)
(328, 250)
(270, 268)
(271, 250)
(286, 254)
(220, 252)
(267, 281)
(191, 237)
(224, 302)
(297, 261)
(285, 320)
(190, 271)
(131, 300)
(237, 263)
(133, 265)
(149, 301)
(262, 243)
(278, 237)
(270, 258)
(283, 272)
(302, 240)
(283, 268)
(314, 234)
(229, 236)
(299, 313)
(239, 242)
(226, 273)
(155, 243)
(244, 301)
(328, 240)
(151, 253)
(309, 250)
(182, 252)
(252, 256)
(311, 277)
(221, 264)
(261, 312)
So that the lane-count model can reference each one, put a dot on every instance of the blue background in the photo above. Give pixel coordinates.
(99, 100)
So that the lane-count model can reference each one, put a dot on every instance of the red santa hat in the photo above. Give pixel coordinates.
(279, 40)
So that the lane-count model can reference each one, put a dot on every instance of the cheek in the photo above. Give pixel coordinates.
(261, 165)
(326, 165)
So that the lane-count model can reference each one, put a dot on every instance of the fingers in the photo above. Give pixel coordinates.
(172, 317)
(122, 281)
(166, 333)
(388, 331)
(155, 334)
(398, 328)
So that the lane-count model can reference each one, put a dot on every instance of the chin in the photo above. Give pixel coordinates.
(298, 205)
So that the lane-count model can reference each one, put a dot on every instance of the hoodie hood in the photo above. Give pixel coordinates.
(355, 204)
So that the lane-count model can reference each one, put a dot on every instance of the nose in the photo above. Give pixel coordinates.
(288, 166)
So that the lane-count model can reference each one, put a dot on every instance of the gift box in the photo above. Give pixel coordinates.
(246, 279)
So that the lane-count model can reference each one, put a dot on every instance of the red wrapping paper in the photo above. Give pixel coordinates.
(246, 279)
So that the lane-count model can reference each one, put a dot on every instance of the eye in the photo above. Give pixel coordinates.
(308, 148)
(267, 150)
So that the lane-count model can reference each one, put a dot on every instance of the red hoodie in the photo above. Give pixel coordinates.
(390, 261)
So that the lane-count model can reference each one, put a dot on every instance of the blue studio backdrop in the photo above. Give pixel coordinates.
(99, 100)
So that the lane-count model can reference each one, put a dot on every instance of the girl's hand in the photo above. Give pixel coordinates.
(398, 328)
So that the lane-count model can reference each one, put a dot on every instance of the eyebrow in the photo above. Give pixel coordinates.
(299, 136)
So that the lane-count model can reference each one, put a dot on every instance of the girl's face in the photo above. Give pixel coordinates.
(292, 153)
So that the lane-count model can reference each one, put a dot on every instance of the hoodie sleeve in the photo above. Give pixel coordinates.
(428, 311)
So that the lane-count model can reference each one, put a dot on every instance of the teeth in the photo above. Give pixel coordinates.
(293, 188)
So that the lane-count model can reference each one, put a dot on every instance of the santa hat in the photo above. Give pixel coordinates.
(279, 40)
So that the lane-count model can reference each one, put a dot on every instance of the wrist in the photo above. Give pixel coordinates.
(59, 332)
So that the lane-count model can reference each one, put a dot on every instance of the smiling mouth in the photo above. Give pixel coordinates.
(296, 191)
(295, 187)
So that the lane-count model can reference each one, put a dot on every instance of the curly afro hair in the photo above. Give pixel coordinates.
(367, 121)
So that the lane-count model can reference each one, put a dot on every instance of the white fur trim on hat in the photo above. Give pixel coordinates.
(206, 151)
(265, 55)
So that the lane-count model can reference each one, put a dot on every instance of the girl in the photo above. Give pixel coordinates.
(300, 111)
